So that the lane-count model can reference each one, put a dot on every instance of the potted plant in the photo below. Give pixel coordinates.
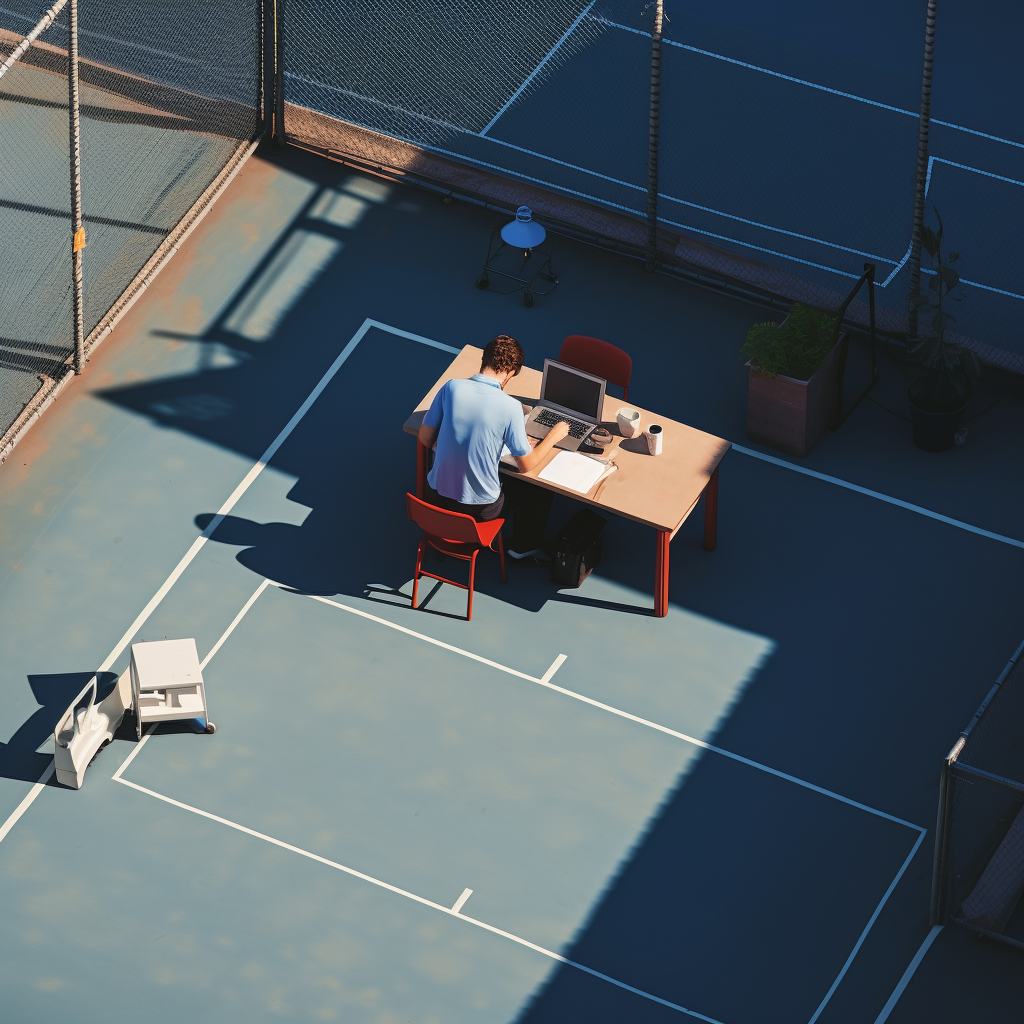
(941, 392)
(791, 391)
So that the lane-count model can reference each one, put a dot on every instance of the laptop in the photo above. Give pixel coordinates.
(571, 395)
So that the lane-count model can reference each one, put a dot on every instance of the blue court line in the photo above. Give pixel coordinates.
(908, 974)
(976, 170)
(867, 928)
(533, 74)
(811, 85)
(1013, 542)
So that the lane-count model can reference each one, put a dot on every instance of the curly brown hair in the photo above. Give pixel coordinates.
(503, 354)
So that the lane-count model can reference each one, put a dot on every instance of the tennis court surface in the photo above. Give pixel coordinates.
(565, 810)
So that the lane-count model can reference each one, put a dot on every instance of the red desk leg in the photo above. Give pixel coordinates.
(421, 469)
(664, 539)
(711, 513)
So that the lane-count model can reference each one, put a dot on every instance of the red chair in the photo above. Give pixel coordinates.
(455, 534)
(599, 358)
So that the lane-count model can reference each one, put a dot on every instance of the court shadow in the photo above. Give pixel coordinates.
(19, 758)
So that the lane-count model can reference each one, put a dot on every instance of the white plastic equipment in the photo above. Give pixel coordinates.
(167, 683)
(82, 731)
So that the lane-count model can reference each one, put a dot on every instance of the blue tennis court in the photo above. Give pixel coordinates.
(567, 809)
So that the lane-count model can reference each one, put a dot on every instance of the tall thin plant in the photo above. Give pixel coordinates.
(949, 370)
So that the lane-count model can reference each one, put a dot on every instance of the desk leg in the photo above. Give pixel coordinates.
(711, 513)
(421, 469)
(664, 540)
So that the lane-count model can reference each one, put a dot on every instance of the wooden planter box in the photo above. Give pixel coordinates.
(791, 414)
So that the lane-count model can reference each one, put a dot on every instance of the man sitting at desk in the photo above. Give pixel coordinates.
(471, 421)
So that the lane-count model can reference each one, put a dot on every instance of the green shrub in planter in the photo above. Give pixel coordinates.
(795, 348)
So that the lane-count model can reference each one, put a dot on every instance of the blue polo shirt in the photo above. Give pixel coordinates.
(476, 419)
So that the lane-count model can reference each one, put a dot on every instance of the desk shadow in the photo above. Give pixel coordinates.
(54, 693)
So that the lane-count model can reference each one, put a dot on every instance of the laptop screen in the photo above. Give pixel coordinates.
(566, 387)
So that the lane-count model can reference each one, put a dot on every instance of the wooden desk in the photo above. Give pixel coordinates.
(660, 492)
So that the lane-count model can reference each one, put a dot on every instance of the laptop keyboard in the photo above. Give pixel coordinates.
(577, 428)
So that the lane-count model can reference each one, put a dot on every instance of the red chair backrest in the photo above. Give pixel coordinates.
(600, 358)
(439, 522)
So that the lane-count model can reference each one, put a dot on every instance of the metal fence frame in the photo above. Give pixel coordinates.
(81, 346)
(944, 906)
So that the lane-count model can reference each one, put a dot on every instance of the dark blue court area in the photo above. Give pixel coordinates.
(564, 810)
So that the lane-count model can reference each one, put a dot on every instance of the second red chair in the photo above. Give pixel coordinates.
(455, 534)
(601, 358)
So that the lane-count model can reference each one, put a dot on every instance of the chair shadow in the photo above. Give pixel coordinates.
(19, 758)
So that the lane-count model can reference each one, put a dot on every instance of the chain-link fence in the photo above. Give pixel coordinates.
(780, 168)
(169, 99)
(979, 844)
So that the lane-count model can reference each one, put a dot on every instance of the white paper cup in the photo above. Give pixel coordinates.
(629, 422)
(655, 439)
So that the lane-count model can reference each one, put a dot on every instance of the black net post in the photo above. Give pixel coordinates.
(77, 231)
(940, 871)
(924, 123)
(652, 156)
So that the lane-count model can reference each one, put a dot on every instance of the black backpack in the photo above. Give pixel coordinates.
(577, 548)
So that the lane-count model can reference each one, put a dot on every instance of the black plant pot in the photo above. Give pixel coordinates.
(933, 431)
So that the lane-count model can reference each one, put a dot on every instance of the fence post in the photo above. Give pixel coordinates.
(923, 125)
(268, 37)
(652, 155)
(78, 232)
(279, 136)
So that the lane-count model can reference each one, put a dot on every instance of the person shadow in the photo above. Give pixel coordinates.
(20, 758)
(372, 558)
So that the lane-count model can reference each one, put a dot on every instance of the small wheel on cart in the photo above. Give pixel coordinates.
(210, 728)
(528, 297)
(483, 281)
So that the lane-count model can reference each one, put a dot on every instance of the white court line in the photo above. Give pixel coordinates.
(461, 901)
(867, 928)
(908, 974)
(533, 74)
(556, 664)
(234, 622)
(131, 757)
(545, 681)
(805, 82)
(881, 497)
(25, 804)
(451, 912)
(236, 494)
(213, 650)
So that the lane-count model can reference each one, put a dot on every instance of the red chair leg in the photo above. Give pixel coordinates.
(419, 563)
(501, 555)
(472, 574)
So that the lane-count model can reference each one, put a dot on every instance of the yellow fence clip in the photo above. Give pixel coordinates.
(79, 240)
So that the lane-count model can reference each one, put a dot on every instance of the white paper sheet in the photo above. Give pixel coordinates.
(575, 471)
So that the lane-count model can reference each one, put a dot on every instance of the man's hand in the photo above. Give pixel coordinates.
(559, 431)
(541, 448)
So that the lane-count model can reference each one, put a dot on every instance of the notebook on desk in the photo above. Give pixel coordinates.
(576, 472)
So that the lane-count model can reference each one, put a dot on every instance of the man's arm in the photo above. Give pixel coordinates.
(534, 458)
(427, 436)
